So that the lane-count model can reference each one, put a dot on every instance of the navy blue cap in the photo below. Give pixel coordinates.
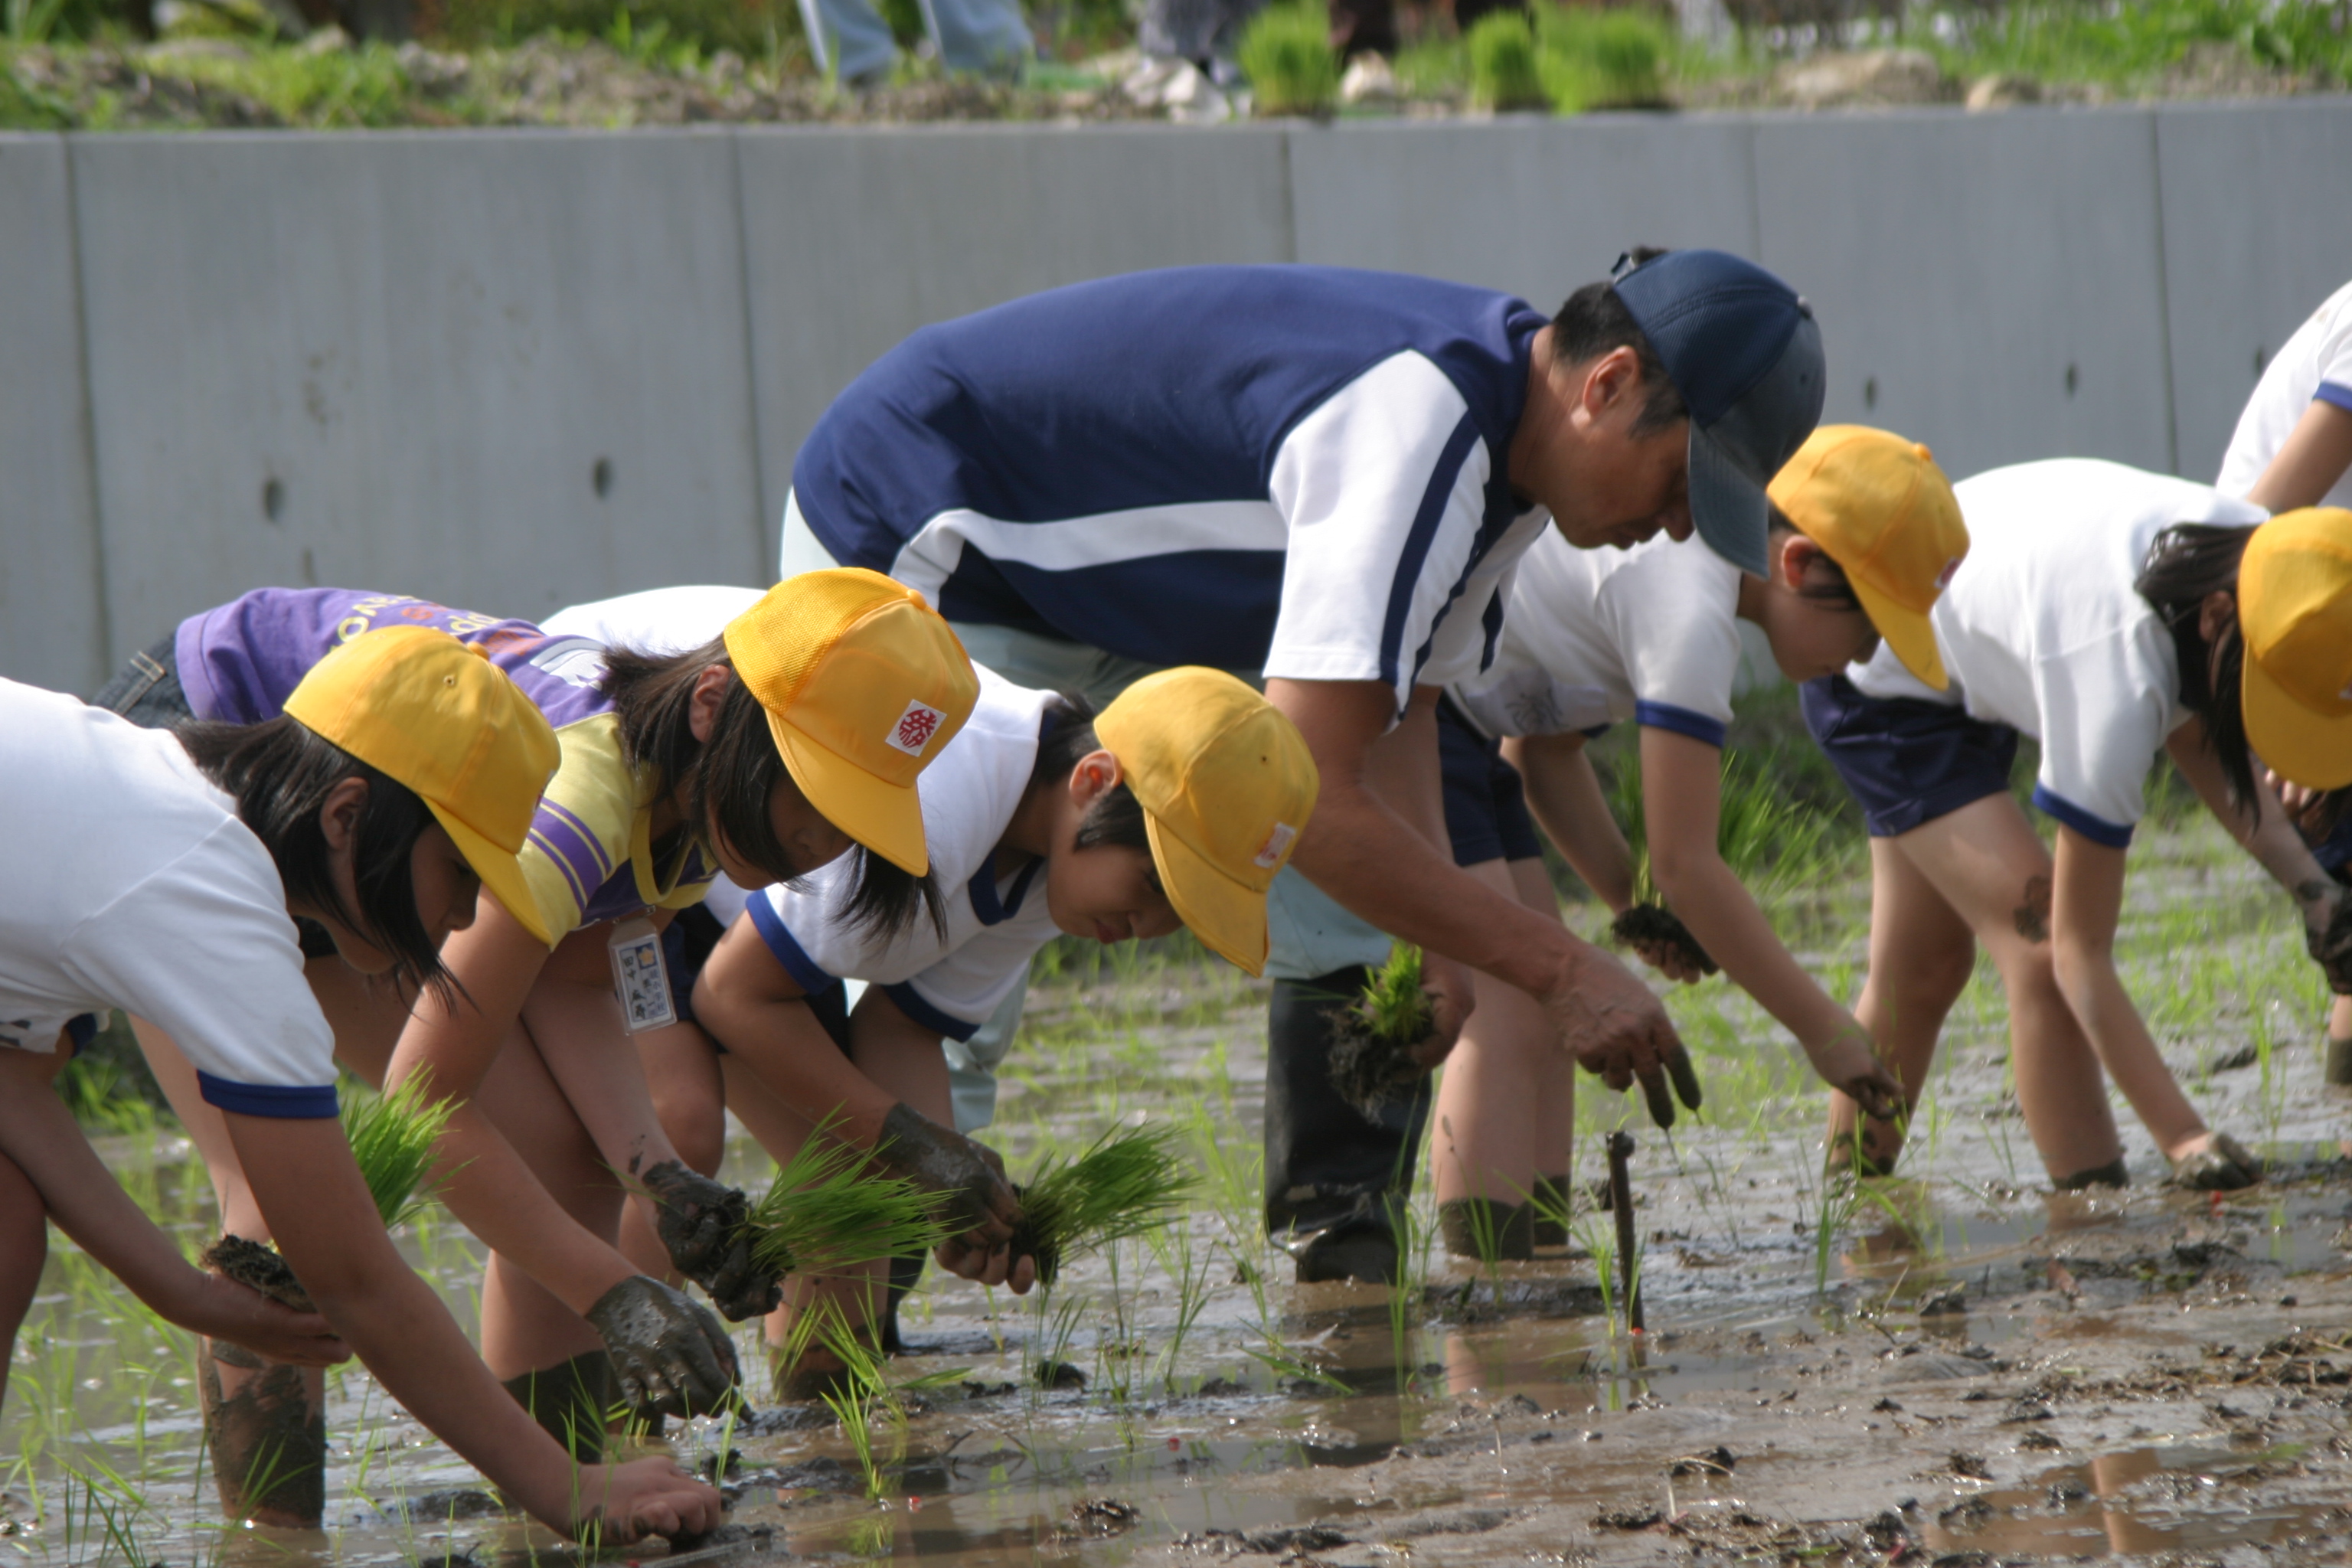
(1743, 351)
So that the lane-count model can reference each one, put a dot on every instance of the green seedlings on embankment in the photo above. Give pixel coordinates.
(1128, 1181)
(832, 1206)
(1286, 51)
(1372, 1036)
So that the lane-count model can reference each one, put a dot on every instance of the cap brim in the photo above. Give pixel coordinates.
(1909, 633)
(885, 818)
(500, 872)
(2309, 749)
(1728, 505)
(1228, 918)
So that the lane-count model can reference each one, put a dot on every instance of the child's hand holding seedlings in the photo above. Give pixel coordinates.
(981, 1200)
(1848, 1062)
(701, 1222)
(205, 1303)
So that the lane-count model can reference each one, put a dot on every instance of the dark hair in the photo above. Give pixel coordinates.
(1834, 588)
(1116, 818)
(279, 773)
(728, 781)
(2187, 564)
(1594, 321)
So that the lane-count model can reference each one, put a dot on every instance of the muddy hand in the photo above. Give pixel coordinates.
(988, 1266)
(1451, 997)
(2330, 945)
(981, 1202)
(671, 1353)
(225, 1309)
(1848, 1065)
(703, 1224)
(1617, 1030)
(2223, 1165)
(620, 1504)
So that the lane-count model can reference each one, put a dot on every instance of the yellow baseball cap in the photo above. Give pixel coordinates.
(1883, 511)
(864, 684)
(1226, 784)
(2294, 612)
(435, 714)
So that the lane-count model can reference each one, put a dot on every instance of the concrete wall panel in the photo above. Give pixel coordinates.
(1535, 206)
(1988, 284)
(52, 623)
(507, 371)
(2257, 231)
(854, 238)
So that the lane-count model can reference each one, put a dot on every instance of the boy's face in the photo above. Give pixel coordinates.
(1810, 637)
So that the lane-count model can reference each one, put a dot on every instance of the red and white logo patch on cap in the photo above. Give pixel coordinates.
(1270, 853)
(915, 727)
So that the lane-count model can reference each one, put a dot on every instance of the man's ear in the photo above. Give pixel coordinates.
(339, 814)
(1096, 776)
(702, 708)
(1609, 380)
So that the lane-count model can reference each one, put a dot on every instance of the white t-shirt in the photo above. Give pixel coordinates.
(131, 884)
(1593, 637)
(658, 621)
(2040, 629)
(2315, 365)
(994, 926)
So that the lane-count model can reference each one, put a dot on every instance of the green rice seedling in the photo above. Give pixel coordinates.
(1612, 58)
(1127, 1183)
(1503, 73)
(1286, 51)
(1373, 1034)
(392, 1137)
(832, 1206)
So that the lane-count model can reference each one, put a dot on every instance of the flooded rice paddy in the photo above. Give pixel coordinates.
(1951, 1367)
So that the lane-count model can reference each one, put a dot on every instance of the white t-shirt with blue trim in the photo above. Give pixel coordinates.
(1594, 636)
(994, 925)
(2042, 630)
(2315, 366)
(132, 884)
(1293, 469)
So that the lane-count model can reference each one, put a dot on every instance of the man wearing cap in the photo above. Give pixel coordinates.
(1320, 477)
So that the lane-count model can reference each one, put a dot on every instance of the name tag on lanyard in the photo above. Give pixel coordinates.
(641, 975)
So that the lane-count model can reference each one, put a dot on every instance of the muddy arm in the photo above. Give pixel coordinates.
(751, 1003)
(319, 1209)
(2265, 831)
(88, 1205)
(571, 1012)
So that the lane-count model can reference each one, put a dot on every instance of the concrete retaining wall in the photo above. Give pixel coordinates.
(516, 370)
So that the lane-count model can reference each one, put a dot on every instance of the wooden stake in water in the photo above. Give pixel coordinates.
(1620, 1199)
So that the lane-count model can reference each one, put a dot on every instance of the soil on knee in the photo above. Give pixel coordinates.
(256, 1264)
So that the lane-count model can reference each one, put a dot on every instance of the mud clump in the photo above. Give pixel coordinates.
(1373, 1034)
(1645, 927)
(256, 1266)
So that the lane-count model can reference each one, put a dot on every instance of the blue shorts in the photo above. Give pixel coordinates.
(1486, 803)
(1906, 761)
(2334, 852)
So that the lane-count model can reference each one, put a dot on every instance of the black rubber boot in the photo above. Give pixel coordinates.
(1485, 1231)
(2112, 1174)
(575, 1401)
(1548, 1204)
(1331, 1175)
(906, 1273)
(2339, 1060)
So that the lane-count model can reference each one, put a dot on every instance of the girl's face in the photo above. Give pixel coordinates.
(1810, 637)
(807, 837)
(1108, 891)
(443, 882)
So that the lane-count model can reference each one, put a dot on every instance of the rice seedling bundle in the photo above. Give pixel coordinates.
(832, 1206)
(1129, 1181)
(1374, 1035)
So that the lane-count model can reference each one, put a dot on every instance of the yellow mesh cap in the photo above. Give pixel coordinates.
(864, 685)
(2294, 612)
(1226, 784)
(1883, 510)
(435, 714)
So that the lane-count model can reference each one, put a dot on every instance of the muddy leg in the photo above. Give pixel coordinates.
(575, 1402)
(265, 1431)
(682, 1072)
(1921, 955)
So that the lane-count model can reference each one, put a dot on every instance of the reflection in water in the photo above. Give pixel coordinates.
(2173, 1498)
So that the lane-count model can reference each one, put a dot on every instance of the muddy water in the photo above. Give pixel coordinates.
(1949, 1362)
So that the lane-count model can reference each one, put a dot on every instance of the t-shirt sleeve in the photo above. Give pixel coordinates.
(957, 995)
(2104, 716)
(2335, 363)
(1383, 488)
(204, 950)
(803, 924)
(580, 834)
(1674, 628)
